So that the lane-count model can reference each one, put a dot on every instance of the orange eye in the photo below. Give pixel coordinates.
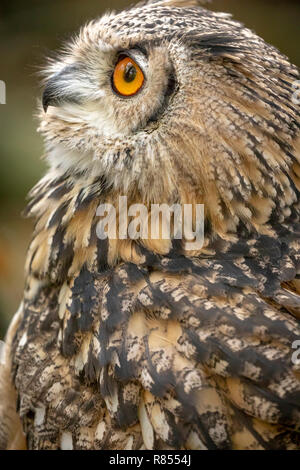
(128, 78)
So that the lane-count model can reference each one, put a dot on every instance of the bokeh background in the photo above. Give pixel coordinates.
(28, 31)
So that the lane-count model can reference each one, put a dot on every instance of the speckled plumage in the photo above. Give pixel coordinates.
(123, 344)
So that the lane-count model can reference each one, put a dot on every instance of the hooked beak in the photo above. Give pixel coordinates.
(63, 87)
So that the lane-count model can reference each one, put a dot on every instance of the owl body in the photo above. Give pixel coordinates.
(144, 344)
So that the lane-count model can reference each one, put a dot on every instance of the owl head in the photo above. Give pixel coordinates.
(169, 102)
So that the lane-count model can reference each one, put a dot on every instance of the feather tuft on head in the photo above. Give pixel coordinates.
(174, 3)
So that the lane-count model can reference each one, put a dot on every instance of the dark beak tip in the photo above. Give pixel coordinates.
(45, 100)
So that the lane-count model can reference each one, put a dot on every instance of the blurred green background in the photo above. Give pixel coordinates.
(28, 31)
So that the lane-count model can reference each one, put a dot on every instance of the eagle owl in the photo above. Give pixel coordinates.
(124, 343)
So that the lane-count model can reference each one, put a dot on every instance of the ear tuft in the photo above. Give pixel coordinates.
(173, 3)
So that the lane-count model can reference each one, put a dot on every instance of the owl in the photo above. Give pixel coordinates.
(142, 343)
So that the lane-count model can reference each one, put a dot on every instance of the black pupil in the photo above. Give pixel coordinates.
(130, 73)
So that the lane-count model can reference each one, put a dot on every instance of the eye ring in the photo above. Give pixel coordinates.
(128, 78)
